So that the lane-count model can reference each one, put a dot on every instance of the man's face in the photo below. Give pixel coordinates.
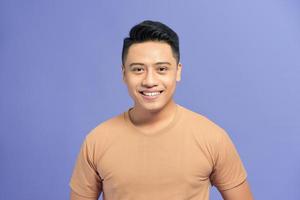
(150, 72)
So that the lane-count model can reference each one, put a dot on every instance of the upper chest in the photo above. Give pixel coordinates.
(170, 159)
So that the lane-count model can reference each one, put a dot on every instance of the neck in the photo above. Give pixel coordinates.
(142, 117)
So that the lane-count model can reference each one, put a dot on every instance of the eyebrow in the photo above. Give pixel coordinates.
(162, 63)
(142, 64)
(132, 64)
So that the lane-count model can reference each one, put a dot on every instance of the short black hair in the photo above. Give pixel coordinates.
(151, 31)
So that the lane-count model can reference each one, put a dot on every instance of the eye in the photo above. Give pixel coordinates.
(137, 69)
(162, 69)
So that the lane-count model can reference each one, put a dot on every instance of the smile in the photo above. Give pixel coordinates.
(151, 95)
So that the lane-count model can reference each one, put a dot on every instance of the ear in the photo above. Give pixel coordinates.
(123, 73)
(178, 73)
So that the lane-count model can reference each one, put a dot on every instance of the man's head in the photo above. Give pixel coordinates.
(151, 31)
(151, 65)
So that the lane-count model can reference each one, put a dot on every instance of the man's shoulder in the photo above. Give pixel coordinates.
(195, 118)
(201, 126)
(110, 127)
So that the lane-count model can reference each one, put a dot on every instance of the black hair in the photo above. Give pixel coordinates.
(151, 31)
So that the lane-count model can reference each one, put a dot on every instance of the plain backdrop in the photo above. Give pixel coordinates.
(60, 76)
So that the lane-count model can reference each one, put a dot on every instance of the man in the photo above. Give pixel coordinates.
(157, 150)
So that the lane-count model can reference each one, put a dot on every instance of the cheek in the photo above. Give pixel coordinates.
(132, 84)
(170, 81)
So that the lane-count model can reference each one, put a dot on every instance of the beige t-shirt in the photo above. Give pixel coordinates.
(179, 162)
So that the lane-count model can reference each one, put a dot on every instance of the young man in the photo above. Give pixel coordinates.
(157, 150)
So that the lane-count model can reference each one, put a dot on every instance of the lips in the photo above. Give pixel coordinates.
(150, 94)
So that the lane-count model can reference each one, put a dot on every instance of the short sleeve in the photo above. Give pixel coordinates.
(85, 180)
(228, 171)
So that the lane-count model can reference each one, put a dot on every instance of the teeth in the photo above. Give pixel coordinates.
(151, 93)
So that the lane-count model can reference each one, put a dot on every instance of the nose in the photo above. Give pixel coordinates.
(149, 79)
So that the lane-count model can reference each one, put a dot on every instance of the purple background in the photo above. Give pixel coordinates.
(60, 76)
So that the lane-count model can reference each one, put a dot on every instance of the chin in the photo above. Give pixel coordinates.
(150, 108)
(155, 107)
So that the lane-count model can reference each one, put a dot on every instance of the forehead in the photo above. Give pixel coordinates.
(150, 52)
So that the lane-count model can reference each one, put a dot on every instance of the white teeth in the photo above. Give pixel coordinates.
(151, 93)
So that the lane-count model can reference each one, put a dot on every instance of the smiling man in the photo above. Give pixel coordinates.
(157, 150)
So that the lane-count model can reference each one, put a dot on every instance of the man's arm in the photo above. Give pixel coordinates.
(240, 192)
(75, 196)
